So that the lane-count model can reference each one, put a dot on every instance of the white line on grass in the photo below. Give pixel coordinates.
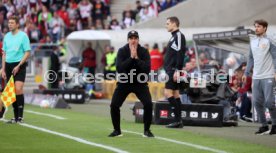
(45, 114)
(73, 138)
(182, 143)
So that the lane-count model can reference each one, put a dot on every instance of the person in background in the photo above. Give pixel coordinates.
(174, 60)
(146, 45)
(156, 59)
(110, 68)
(89, 59)
(262, 57)
(89, 67)
(54, 68)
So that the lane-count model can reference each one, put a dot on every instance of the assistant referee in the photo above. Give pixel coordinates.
(16, 47)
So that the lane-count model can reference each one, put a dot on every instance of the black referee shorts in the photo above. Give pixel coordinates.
(20, 75)
(171, 84)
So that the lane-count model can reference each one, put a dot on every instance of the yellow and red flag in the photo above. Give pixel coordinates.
(8, 95)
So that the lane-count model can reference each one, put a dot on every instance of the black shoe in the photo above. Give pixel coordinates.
(20, 120)
(12, 121)
(233, 117)
(273, 130)
(115, 133)
(229, 123)
(175, 125)
(247, 119)
(262, 130)
(2, 112)
(148, 134)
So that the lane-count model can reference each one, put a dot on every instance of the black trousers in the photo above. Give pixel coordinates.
(119, 96)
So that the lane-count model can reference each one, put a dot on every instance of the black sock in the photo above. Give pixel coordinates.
(175, 108)
(20, 101)
(178, 105)
(15, 109)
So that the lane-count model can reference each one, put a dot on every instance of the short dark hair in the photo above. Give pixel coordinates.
(155, 46)
(174, 19)
(15, 18)
(261, 22)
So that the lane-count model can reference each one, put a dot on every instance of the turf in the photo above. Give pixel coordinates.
(19, 139)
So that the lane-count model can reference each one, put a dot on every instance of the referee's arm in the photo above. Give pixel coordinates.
(25, 58)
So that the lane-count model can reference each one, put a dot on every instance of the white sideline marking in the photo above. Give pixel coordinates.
(182, 143)
(72, 138)
(45, 114)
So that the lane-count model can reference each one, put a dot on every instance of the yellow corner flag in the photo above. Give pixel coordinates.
(8, 95)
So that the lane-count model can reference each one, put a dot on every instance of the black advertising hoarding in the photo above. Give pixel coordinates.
(192, 114)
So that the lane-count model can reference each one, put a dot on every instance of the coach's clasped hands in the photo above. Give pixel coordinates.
(133, 51)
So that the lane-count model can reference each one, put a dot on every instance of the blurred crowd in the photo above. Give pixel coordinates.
(55, 19)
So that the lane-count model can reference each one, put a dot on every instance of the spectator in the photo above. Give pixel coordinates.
(33, 17)
(54, 68)
(10, 8)
(3, 10)
(99, 24)
(44, 19)
(230, 63)
(33, 3)
(236, 80)
(106, 50)
(193, 63)
(243, 95)
(185, 99)
(146, 12)
(20, 3)
(72, 10)
(59, 3)
(114, 24)
(1, 37)
(72, 27)
(128, 21)
(138, 6)
(156, 59)
(22, 14)
(98, 10)
(132, 12)
(107, 9)
(189, 67)
(137, 10)
(34, 33)
(57, 27)
(64, 15)
(167, 4)
(203, 59)
(73, 17)
(85, 8)
(5, 30)
(46, 3)
(110, 68)
(146, 45)
(2, 22)
(89, 59)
